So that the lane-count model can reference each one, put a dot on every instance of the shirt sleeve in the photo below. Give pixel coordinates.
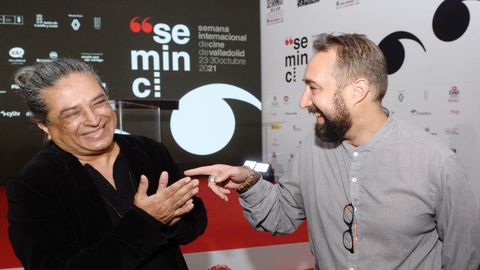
(190, 226)
(276, 208)
(458, 218)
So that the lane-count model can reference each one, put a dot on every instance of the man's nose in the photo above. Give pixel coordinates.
(305, 100)
(91, 117)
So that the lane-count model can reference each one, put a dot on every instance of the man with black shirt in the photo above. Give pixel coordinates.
(92, 199)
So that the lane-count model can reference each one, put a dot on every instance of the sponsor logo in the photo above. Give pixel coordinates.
(275, 142)
(16, 52)
(454, 94)
(40, 22)
(428, 130)
(220, 267)
(275, 11)
(10, 114)
(97, 23)
(298, 58)
(455, 112)
(301, 3)
(415, 112)
(92, 57)
(276, 126)
(274, 102)
(14, 87)
(274, 3)
(296, 129)
(451, 131)
(11, 19)
(163, 59)
(75, 23)
(347, 3)
(16, 56)
(53, 55)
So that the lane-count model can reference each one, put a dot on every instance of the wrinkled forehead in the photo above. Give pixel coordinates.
(71, 90)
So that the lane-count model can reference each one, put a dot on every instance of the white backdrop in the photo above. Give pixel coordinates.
(433, 84)
(437, 88)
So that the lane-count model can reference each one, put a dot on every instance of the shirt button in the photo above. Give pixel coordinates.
(355, 154)
(354, 180)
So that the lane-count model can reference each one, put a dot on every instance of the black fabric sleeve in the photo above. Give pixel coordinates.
(192, 224)
(44, 239)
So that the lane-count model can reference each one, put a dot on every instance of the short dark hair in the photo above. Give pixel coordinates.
(33, 79)
(356, 56)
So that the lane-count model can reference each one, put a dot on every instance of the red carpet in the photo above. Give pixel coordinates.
(227, 229)
(7, 258)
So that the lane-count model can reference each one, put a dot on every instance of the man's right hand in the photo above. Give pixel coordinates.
(225, 178)
(169, 203)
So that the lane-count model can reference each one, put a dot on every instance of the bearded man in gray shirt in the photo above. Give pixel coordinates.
(377, 192)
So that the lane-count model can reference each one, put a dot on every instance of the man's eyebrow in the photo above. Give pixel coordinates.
(309, 82)
(62, 112)
(99, 96)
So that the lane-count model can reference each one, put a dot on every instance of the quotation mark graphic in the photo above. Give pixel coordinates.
(145, 26)
(393, 49)
(288, 41)
(204, 122)
(451, 20)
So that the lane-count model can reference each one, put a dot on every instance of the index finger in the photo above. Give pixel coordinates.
(173, 188)
(204, 170)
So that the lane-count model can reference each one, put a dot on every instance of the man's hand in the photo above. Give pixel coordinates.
(225, 177)
(168, 204)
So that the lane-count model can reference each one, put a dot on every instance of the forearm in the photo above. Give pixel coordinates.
(271, 208)
(191, 225)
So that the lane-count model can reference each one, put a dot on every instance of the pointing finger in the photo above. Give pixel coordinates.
(204, 170)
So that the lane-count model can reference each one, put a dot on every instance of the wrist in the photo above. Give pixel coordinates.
(252, 178)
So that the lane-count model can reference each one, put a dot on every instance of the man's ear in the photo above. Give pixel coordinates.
(360, 90)
(45, 129)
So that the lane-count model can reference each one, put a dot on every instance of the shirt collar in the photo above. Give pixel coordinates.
(377, 139)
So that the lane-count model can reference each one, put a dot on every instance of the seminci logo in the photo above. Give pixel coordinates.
(144, 26)
(297, 58)
(162, 59)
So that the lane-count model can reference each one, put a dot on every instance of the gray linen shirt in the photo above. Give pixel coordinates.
(414, 207)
